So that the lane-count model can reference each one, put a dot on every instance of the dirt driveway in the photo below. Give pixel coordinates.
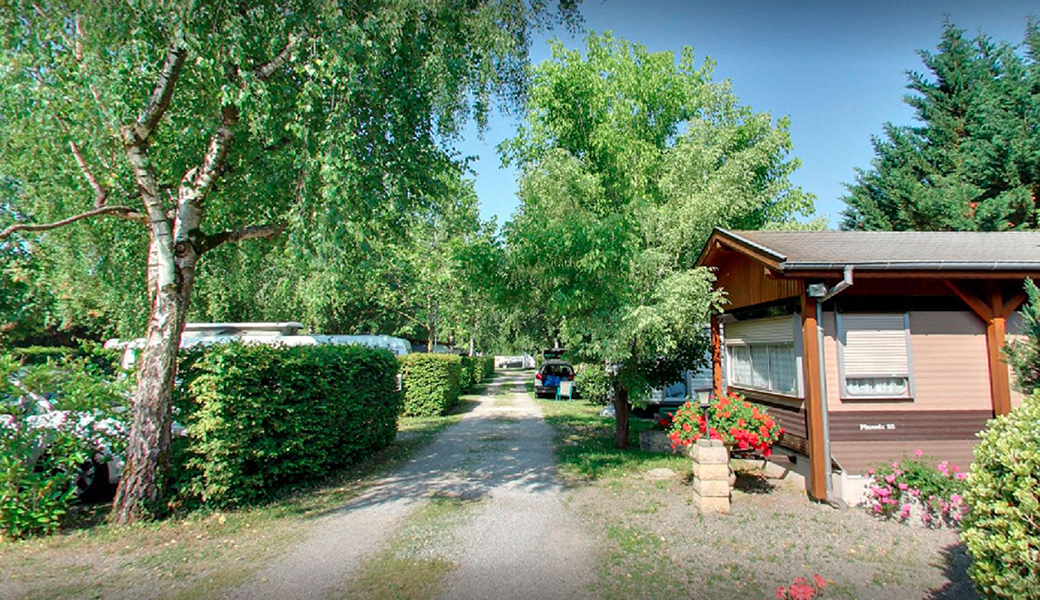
(476, 514)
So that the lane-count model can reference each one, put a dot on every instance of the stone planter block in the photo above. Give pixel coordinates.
(709, 454)
(708, 504)
(657, 441)
(716, 472)
(712, 488)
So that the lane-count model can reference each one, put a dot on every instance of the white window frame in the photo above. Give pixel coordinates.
(842, 381)
(796, 343)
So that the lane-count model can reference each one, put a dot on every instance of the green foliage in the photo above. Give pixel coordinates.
(593, 383)
(262, 419)
(348, 144)
(431, 382)
(972, 161)
(628, 159)
(1024, 355)
(901, 485)
(1002, 529)
(731, 419)
(44, 442)
(474, 369)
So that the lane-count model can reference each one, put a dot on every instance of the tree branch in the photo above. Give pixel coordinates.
(266, 70)
(124, 212)
(100, 194)
(253, 232)
(160, 99)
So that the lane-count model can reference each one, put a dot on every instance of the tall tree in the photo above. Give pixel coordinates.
(171, 129)
(628, 160)
(971, 162)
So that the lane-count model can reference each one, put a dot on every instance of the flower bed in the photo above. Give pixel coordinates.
(913, 488)
(740, 424)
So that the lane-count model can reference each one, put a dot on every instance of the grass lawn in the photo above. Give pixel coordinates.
(197, 555)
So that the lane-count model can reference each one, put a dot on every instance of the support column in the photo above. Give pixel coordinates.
(813, 400)
(996, 334)
(716, 357)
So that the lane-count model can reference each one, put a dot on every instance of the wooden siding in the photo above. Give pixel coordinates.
(948, 364)
(949, 361)
(746, 282)
(862, 440)
(856, 458)
(789, 413)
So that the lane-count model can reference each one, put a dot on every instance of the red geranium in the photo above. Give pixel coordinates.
(734, 420)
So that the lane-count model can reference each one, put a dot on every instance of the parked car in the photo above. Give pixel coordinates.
(548, 377)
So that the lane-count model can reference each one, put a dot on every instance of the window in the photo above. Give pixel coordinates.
(761, 354)
(875, 355)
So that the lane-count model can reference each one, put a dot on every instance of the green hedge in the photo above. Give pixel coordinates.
(476, 369)
(1002, 529)
(262, 419)
(432, 383)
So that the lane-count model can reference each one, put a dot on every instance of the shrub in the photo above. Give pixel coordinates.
(592, 383)
(431, 383)
(1002, 529)
(475, 369)
(262, 419)
(54, 416)
(900, 486)
(1024, 355)
(732, 419)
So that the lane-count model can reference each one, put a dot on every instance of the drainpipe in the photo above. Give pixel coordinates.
(844, 284)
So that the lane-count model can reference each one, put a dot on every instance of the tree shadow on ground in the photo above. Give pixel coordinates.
(955, 568)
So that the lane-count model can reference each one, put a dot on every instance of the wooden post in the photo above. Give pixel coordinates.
(716, 357)
(996, 332)
(813, 400)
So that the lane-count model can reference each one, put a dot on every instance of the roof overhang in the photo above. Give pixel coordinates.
(722, 240)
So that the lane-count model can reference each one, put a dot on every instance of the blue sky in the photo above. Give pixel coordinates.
(837, 69)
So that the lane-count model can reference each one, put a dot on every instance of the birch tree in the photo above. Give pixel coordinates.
(173, 128)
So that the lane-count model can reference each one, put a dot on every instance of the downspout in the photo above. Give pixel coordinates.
(844, 284)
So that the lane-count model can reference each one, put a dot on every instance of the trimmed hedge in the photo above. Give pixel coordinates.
(1002, 528)
(476, 369)
(431, 382)
(262, 419)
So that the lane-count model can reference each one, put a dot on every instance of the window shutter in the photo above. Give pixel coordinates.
(775, 330)
(875, 345)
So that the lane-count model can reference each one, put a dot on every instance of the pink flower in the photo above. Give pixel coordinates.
(961, 476)
(906, 511)
(955, 498)
(890, 479)
(820, 583)
(781, 593)
(943, 468)
(918, 453)
(903, 486)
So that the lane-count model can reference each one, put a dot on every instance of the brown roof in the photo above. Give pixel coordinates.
(896, 250)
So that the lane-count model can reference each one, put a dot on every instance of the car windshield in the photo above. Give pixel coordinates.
(557, 370)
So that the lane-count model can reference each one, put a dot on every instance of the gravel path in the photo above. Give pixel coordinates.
(521, 542)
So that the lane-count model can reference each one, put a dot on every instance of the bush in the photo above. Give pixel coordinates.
(431, 383)
(592, 383)
(475, 369)
(1002, 529)
(54, 416)
(262, 419)
(898, 487)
